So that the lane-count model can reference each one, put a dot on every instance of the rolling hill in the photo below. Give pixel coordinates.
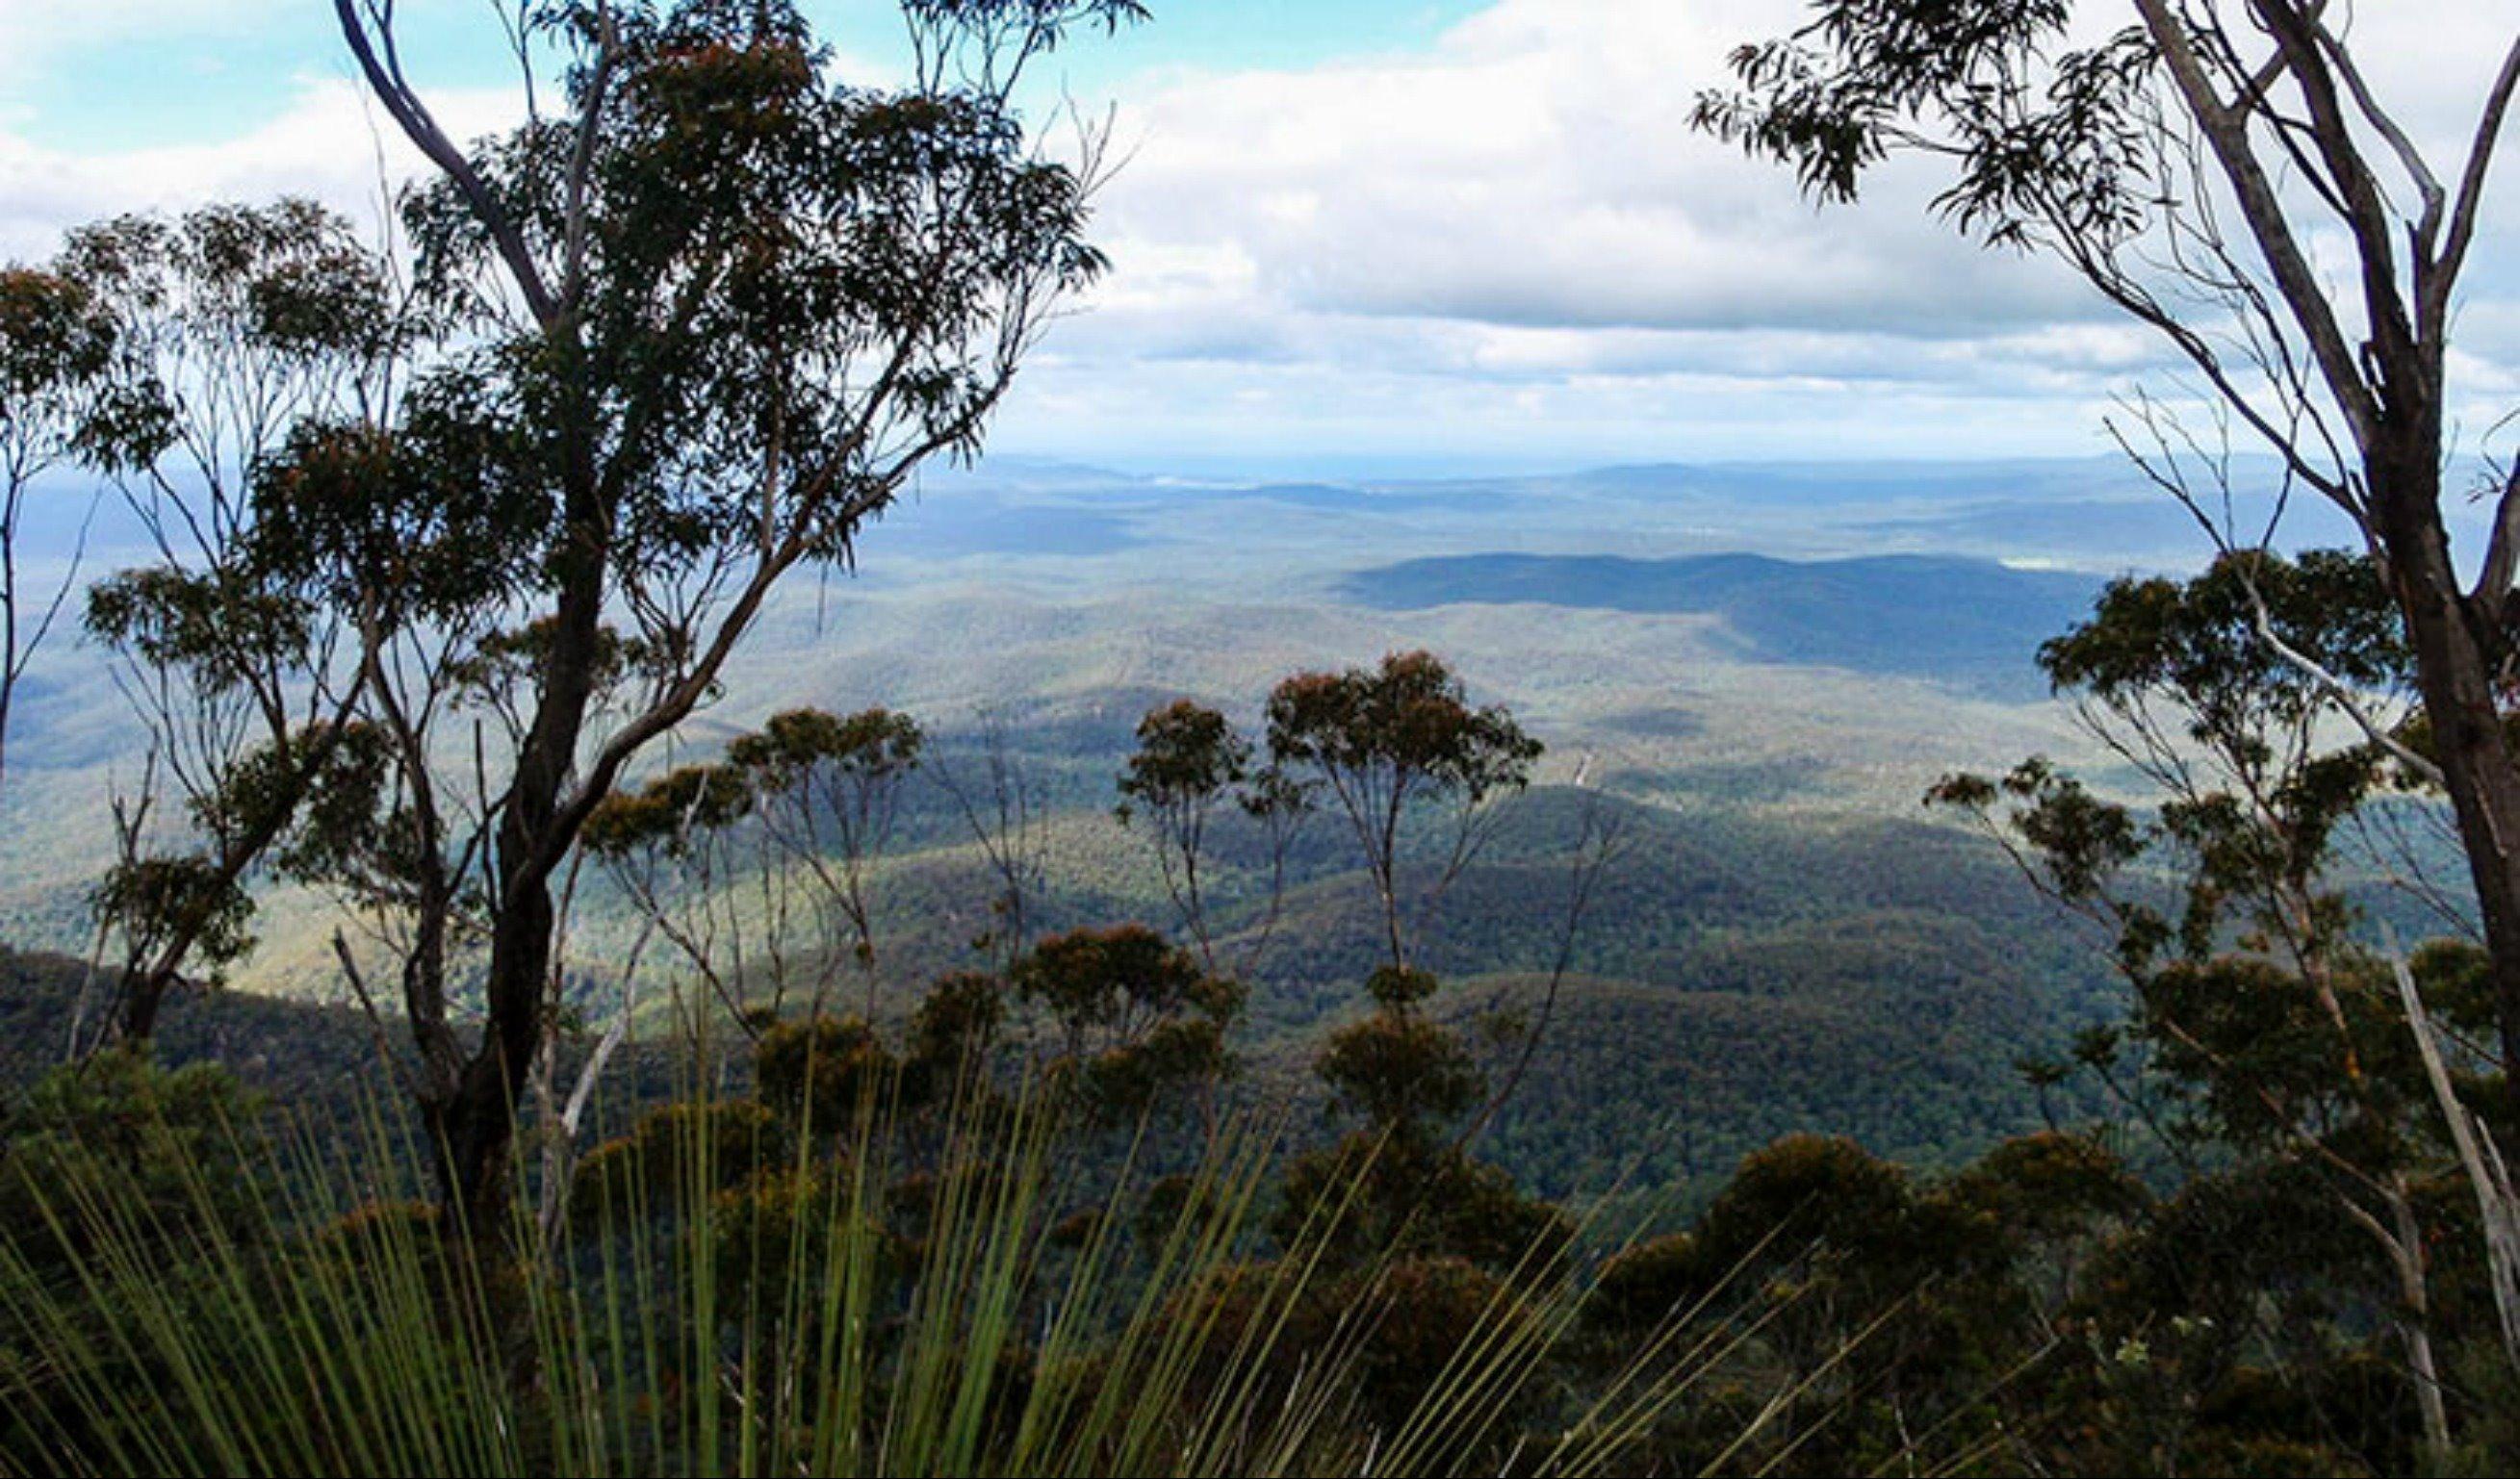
(1967, 622)
(1764, 666)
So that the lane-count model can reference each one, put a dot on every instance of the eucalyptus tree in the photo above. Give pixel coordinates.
(1191, 765)
(716, 310)
(672, 847)
(56, 347)
(1136, 1019)
(1188, 757)
(2227, 174)
(254, 354)
(2279, 1038)
(828, 790)
(1393, 744)
(1398, 746)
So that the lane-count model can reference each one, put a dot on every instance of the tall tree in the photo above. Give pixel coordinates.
(1393, 742)
(1186, 757)
(1188, 765)
(2192, 166)
(1134, 1017)
(822, 783)
(2279, 1039)
(722, 307)
(56, 350)
(255, 357)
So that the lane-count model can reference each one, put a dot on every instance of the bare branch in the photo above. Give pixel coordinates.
(2471, 193)
(385, 80)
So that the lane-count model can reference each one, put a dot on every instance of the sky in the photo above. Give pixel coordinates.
(1360, 236)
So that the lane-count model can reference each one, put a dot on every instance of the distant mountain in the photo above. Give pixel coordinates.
(2148, 529)
(1342, 498)
(1854, 484)
(1969, 622)
(1034, 529)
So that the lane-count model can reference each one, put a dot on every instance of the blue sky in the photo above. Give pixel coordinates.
(1394, 235)
(230, 63)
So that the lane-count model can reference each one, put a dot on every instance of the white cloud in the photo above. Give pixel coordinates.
(1520, 225)
(329, 143)
(1538, 168)
(1509, 240)
(36, 31)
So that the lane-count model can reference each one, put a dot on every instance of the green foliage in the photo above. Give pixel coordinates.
(1389, 742)
(1417, 1196)
(2201, 636)
(956, 1022)
(710, 1145)
(247, 344)
(1386, 734)
(1401, 1071)
(776, 1319)
(1135, 1017)
(2044, 137)
(51, 340)
(1188, 760)
(180, 1149)
(413, 527)
(214, 628)
(1397, 988)
(821, 1072)
(2269, 1051)
(707, 320)
(148, 900)
(750, 219)
(2049, 1188)
(57, 349)
(668, 813)
(1187, 755)
(1094, 981)
(868, 747)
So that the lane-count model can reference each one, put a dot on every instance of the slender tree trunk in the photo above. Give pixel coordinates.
(2414, 1318)
(147, 979)
(2455, 672)
(475, 1126)
(146, 983)
(142, 996)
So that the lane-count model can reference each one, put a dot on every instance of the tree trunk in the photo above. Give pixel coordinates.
(475, 1126)
(147, 979)
(2414, 1318)
(142, 995)
(2455, 673)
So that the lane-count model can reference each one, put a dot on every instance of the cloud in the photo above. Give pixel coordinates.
(1519, 225)
(1538, 169)
(328, 142)
(34, 32)
(1509, 240)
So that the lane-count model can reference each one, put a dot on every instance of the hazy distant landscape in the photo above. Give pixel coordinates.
(1768, 663)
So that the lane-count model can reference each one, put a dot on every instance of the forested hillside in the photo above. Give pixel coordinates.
(1957, 621)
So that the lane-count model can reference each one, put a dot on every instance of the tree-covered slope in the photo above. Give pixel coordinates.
(1967, 621)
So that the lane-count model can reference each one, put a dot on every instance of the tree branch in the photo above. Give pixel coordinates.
(384, 77)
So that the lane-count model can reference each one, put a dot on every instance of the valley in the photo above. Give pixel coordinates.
(1765, 666)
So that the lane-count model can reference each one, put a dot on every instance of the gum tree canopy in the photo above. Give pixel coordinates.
(701, 316)
(55, 346)
(2229, 174)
